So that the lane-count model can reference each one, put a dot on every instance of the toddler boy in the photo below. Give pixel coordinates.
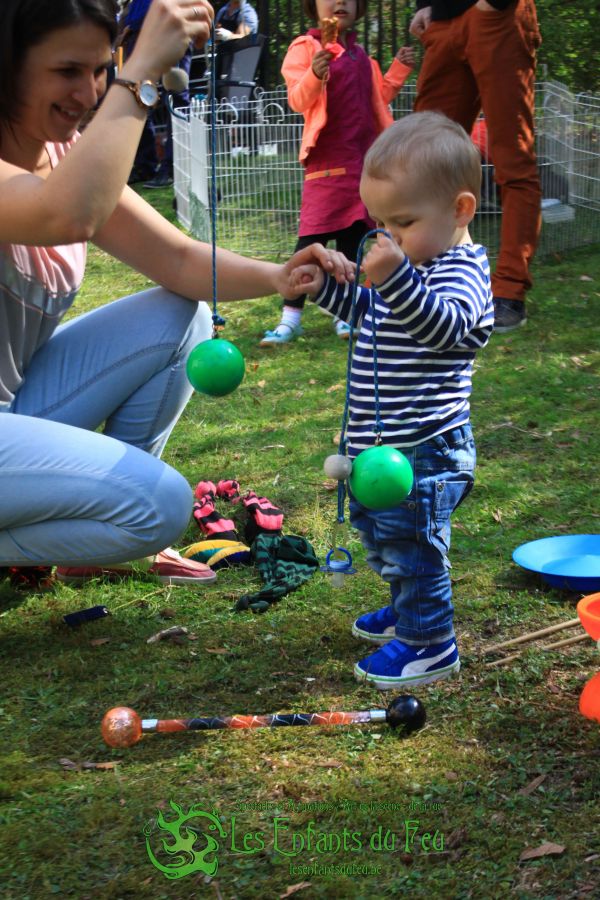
(431, 311)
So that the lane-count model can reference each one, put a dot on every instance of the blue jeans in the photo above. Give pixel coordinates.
(408, 545)
(69, 494)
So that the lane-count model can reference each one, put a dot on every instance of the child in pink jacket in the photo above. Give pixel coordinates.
(344, 99)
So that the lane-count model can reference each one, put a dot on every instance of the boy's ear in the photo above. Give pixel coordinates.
(464, 208)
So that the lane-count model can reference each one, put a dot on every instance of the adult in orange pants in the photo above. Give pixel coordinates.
(481, 55)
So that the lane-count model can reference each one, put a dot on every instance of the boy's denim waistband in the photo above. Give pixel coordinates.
(454, 436)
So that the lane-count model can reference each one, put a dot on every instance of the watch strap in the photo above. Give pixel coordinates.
(134, 87)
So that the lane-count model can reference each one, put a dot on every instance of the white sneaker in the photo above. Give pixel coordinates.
(342, 329)
(283, 334)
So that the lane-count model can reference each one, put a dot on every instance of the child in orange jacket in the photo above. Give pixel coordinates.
(344, 99)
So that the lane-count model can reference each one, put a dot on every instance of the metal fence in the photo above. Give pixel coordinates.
(259, 178)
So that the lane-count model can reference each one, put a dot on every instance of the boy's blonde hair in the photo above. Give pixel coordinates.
(433, 150)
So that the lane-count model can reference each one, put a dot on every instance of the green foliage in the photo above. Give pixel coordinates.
(570, 50)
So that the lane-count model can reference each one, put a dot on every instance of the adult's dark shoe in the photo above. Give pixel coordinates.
(508, 314)
(138, 175)
(161, 180)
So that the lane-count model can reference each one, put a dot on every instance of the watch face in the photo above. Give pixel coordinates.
(148, 93)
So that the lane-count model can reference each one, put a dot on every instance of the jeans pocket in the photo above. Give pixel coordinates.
(448, 496)
(528, 23)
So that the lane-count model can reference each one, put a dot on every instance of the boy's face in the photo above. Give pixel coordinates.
(422, 226)
(343, 10)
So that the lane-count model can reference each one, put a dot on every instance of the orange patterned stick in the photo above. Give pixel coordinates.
(122, 727)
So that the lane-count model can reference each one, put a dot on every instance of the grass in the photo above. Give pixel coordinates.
(468, 778)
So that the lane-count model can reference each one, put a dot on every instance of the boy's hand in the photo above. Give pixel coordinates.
(304, 272)
(320, 63)
(406, 55)
(308, 280)
(383, 259)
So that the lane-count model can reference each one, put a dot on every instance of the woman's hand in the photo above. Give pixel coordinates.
(320, 63)
(383, 259)
(168, 29)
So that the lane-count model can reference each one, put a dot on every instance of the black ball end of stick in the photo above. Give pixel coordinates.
(406, 713)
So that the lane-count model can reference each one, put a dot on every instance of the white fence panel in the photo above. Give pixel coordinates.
(259, 179)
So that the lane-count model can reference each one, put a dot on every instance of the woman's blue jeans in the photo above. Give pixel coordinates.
(69, 494)
(408, 545)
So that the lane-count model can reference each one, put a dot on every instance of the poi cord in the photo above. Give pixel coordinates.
(217, 320)
(378, 423)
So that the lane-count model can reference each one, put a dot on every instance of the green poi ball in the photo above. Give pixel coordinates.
(381, 477)
(215, 367)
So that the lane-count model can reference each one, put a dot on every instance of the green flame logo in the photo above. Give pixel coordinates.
(185, 857)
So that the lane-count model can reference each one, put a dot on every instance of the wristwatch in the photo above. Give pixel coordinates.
(145, 92)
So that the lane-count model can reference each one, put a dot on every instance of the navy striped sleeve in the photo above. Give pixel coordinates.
(421, 329)
(441, 309)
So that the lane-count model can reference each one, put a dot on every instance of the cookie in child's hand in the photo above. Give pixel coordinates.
(329, 31)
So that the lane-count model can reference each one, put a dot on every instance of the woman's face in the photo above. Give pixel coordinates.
(62, 79)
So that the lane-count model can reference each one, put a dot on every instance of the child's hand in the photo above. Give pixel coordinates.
(320, 63)
(307, 280)
(382, 260)
(406, 55)
(304, 272)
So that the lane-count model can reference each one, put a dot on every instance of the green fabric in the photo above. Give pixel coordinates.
(284, 562)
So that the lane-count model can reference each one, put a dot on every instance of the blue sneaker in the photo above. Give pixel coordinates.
(377, 627)
(283, 334)
(397, 664)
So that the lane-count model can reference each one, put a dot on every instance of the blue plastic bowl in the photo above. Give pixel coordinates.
(570, 561)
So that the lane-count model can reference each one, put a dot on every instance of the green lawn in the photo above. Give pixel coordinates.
(505, 763)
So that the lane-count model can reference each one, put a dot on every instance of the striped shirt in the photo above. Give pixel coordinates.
(426, 322)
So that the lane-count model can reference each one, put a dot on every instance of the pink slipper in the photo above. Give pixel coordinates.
(169, 567)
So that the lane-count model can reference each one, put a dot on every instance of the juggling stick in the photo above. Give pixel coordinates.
(122, 726)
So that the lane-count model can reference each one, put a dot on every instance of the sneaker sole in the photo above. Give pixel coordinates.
(180, 580)
(175, 580)
(504, 329)
(372, 637)
(386, 683)
(277, 343)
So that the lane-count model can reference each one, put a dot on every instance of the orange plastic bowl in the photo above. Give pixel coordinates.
(589, 702)
(588, 610)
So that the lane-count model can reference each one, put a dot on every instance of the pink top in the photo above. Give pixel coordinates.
(331, 203)
(37, 287)
(342, 117)
(307, 94)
